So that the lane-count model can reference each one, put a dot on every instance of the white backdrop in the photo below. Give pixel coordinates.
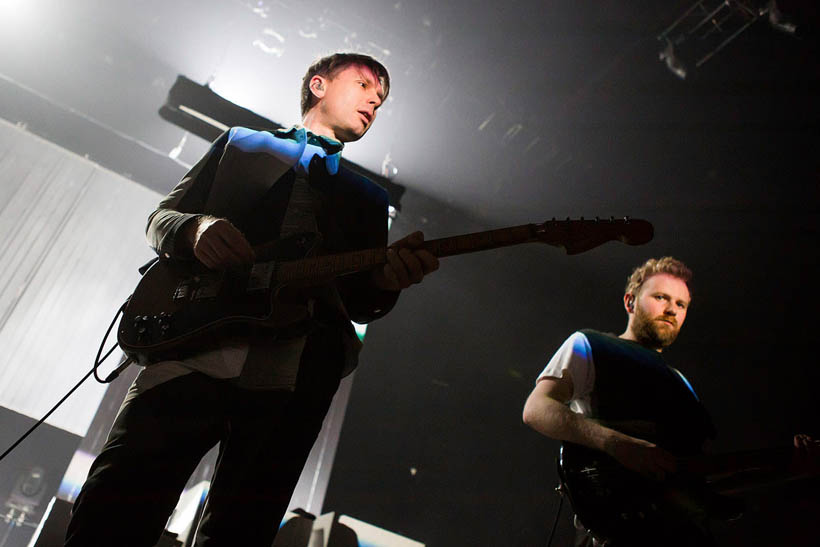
(71, 240)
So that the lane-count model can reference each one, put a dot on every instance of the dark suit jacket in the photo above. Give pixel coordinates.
(250, 186)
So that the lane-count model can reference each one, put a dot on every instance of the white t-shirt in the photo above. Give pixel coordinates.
(575, 358)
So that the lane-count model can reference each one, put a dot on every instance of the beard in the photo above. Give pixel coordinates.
(651, 333)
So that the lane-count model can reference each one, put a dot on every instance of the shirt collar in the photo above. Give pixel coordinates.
(330, 145)
(313, 145)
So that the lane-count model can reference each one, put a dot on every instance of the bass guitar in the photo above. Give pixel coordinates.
(616, 504)
(178, 303)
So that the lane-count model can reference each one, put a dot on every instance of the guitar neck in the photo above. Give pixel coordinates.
(482, 241)
(334, 265)
(739, 472)
(574, 236)
(719, 464)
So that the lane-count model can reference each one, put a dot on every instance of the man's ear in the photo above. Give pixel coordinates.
(629, 302)
(317, 86)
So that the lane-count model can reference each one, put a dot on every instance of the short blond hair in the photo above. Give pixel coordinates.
(654, 266)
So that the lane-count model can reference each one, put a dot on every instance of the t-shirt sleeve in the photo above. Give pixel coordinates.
(574, 357)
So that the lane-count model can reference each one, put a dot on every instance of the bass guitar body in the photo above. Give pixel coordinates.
(622, 507)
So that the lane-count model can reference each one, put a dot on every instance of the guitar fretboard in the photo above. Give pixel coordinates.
(733, 462)
(334, 265)
(481, 241)
(575, 236)
(329, 266)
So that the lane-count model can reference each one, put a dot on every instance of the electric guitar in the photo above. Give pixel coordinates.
(614, 503)
(178, 303)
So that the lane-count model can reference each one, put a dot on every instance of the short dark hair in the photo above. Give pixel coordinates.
(329, 66)
(654, 266)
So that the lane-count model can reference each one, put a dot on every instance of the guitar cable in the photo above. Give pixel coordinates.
(557, 514)
(97, 362)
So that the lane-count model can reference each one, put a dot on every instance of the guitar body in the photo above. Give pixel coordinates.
(625, 508)
(621, 506)
(178, 303)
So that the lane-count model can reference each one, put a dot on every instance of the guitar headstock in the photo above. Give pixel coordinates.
(580, 235)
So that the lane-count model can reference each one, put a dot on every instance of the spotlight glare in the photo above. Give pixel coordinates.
(672, 62)
(15, 11)
(778, 21)
(389, 169)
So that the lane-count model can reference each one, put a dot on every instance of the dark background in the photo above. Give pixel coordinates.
(501, 114)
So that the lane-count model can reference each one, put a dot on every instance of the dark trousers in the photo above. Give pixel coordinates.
(160, 435)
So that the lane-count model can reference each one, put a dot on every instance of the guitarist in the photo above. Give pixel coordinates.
(261, 395)
(608, 378)
(624, 401)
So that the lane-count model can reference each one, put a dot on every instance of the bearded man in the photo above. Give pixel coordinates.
(608, 379)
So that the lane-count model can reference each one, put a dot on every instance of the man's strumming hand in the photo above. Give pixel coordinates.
(217, 243)
(642, 456)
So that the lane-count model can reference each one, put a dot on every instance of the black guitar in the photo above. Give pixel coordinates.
(177, 303)
(615, 503)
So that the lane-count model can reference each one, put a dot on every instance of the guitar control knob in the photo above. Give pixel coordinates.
(141, 326)
(163, 320)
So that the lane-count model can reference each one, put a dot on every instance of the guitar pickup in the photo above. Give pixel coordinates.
(183, 291)
(261, 276)
(209, 285)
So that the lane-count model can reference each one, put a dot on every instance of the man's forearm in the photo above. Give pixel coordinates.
(554, 419)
